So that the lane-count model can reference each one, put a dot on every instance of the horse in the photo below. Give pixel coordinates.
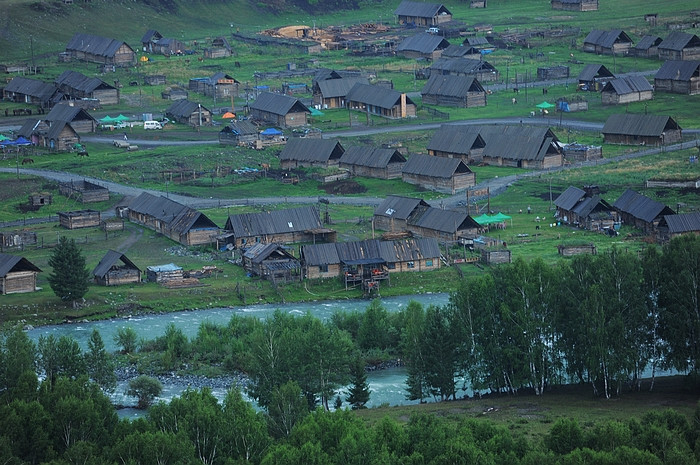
(27, 161)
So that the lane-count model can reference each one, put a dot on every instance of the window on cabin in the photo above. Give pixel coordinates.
(323, 268)
(391, 266)
(428, 263)
(411, 264)
(289, 223)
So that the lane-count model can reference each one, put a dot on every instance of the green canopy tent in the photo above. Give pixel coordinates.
(121, 118)
(3, 137)
(544, 105)
(485, 219)
(315, 112)
(502, 217)
(107, 119)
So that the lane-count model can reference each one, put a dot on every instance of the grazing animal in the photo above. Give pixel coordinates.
(27, 161)
(82, 154)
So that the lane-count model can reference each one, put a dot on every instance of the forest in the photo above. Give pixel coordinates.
(599, 320)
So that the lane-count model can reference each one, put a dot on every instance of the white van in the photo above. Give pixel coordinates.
(152, 125)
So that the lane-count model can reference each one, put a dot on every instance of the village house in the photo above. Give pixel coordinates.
(115, 269)
(188, 112)
(585, 209)
(154, 80)
(373, 162)
(78, 86)
(452, 141)
(79, 119)
(149, 39)
(239, 133)
(481, 70)
(330, 93)
(168, 46)
(640, 211)
(672, 226)
(17, 274)
(611, 42)
(393, 213)
(422, 14)
(575, 5)
(626, 89)
(593, 77)
(164, 273)
(219, 48)
(219, 86)
(678, 77)
(59, 136)
(423, 45)
(520, 146)
(680, 46)
(83, 191)
(303, 152)
(447, 175)
(174, 93)
(380, 101)
(454, 91)
(174, 220)
(32, 91)
(301, 224)
(647, 47)
(634, 129)
(78, 219)
(272, 262)
(96, 49)
(280, 110)
(443, 225)
(460, 51)
(478, 43)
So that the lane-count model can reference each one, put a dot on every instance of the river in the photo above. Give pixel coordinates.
(387, 386)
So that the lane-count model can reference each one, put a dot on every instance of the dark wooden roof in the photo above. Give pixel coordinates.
(278, 104)
(311, 150)
(420, 9)
(451, 85)
(476, 42)
(370, 251)
(458, 51)
(438, 167)
(423, 43)
(575, 200)
(339, 87)
(678, 40)
(594, 70)
(640, 206)
(454, 138)
(274, 222)
(54, 131)
(606, 38)
(517, 142)
(240, 128)
(639, 125)
(111, 258)
(180, 218)
(30, 126)
(79, 81)
(261, 252)
(397, 206)
(568, 199)
(628, 85)
(184, 108)
(682, 222)
(95, 45)
(151, 35)
(648, 41)
(371, 157)
(461, 65)
(378, 96)
(65, 112)
(445, 221)
(12, 263)
(32, 87)
(678, 70)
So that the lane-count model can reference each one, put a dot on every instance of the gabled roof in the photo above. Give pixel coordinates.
(568, 199)
(12, 263)
(32, 87)
(476, 41)
(461, 65)
(65, 112)
(151, 35)
(606, 38)
(439, 167)
(682, 222)
(423, 43)
(640, 206)
(311, 150)
(446, 221)
(79, 81)
(453, 138)
(628, 85)
(324, 74)
(420, 9)
(397, 206)
(451, 85)
(648, 41)
(517, 142)
(221, 75)
(594, 70)
(320, 254)
(111, 258)
(221, 42)
(458, 51)
(678, 70)
(639, 125)
(575, 200)
(678, 40)
(371, 157)
(339, 87)
(95, 45)
(54, 131)
(278, 104)
(371, 251)
(261, 252)
(184, 108)
(274, 222)
(31, 126)
(180, 218)
(377, 96)
(240, 128)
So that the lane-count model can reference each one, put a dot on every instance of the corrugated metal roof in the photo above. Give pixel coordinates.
(109, 260)
(451, 85)
(594, 70)
(311, 150)
(274, 222)
(628, 85)
(371, 157)
(278, 104)
(397, 206)
(95, 45)
(79, 81)
(9, 263)
(446, 221)
(640, 206)
(32, 87)
(439, 167)
(455, 138)
(184, 108)
(241, 128)
(606, 38)
(420, 9)
(164, 268)
(377, 96)
(648, 41)
(339, 87)
(683, 222)
(678, 70)
(180, 218)
(590, 204)
(568, 199)
(678, 40)
(320, 254)
(260, 252)
(461, 65)
(422, 43)
(476, 41)
(65, 112)
(638, 125)
(31, 126)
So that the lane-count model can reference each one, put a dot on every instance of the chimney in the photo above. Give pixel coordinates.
(403, 106)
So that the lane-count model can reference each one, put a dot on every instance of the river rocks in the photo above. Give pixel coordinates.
(192, 381)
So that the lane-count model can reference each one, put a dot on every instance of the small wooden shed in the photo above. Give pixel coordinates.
(626, 89)
(448, 175)
(456, 141)
(154, 80)
(164, 273)
(678, 77)
(373, 162)
(84, 191)
(38, 199)
(496, 256)
(680, 46)
(575, 5)
(17, 274)
(593, 77)
(79, 219)
(272, 262)
(552, 72)
(454, 91)
(187, 112)
(394, 211)
(611, 42)
(115, 269)
(239, 133)
(569, 250)
(281, 110)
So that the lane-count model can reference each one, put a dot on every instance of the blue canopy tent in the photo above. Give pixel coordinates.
(271, 132)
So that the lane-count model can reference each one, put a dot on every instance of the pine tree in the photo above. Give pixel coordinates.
(359, 391)
(69, 276)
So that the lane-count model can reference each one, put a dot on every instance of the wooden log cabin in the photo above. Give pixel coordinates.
(680, 46)
(380, 101)
(115, 269)
(569, 250)
(280, 110)
(625, 90)
(191, 113)
(520, 146)
(272, 262)
(447, 175)
(615, 41)
(373, 162)
(17, 274)
(422, 45)
(456, 141)
(422, 14)
(96, 49)
(585, 208)
(575, 5)
(394, 212)
(311, 153)
(443, 225)
(678, 77)
(84, 191)
(638, 129)
(640, 211)
(78, 86)
(79, 219)
(164, 273)
(79, 119)
(454, 91)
